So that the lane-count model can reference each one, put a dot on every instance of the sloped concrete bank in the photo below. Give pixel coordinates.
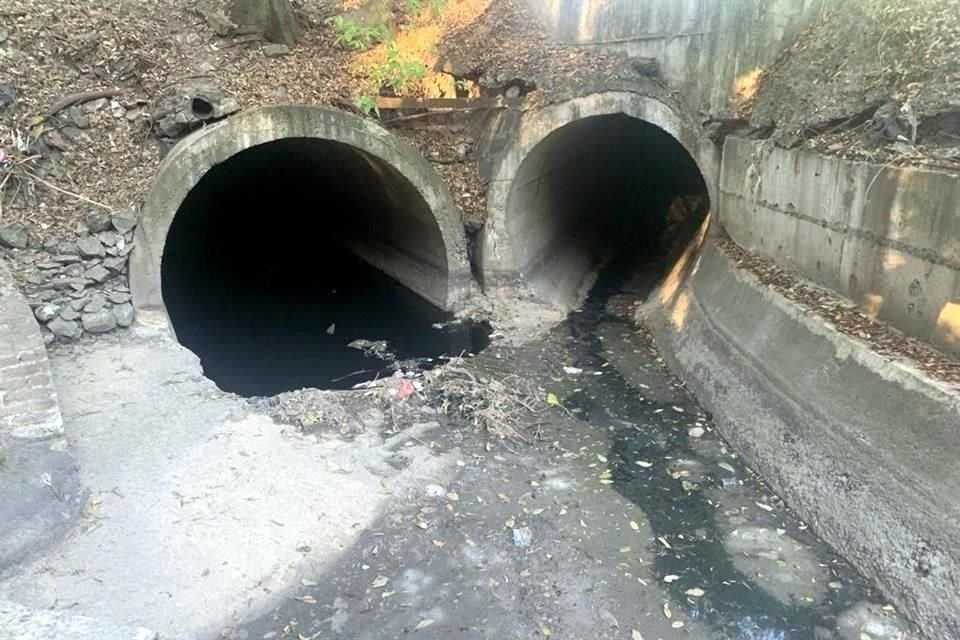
(864, 449)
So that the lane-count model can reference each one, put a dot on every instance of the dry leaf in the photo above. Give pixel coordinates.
(696, 592)
(423, 624)
(667, 611)
(307, 599)
(380, 582)
(636, 635)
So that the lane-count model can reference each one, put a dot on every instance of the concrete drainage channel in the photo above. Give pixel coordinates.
(284, 237)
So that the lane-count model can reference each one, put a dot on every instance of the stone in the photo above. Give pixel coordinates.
(46, 312)
(50, 245)
(69, 313)
(80, 302)
(79, 117)
(14, 236)
(64, 328)
(118, 297)
(869, 620)
(97, 303)
(95, 105)
(90, 247)
(124, 314)
(275, 50)
(98, 274)
(8, 95)
(109, 238)
(115, 264)
(66, 251)
(97, 221)
(99, 322)
(124, 221)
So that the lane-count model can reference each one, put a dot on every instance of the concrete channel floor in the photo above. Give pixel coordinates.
(627, 518)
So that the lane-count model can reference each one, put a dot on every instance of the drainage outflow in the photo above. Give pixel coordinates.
(601, 191)
(267, 271)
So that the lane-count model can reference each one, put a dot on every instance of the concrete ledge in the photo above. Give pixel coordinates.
(28, 400)
(862, 448)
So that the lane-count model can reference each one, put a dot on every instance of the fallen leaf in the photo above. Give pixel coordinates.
(670, 578)
(644, 464)
(664, 542)
(380, 582)
(553, 400)
(545, 631)
(634, 526)
(423, 624)
(677, 625)
(307, 599)
(439, 543)
(696, 592)
(667, 611)
(763, 506)
(636, 635)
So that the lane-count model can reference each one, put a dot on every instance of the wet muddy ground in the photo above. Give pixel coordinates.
(625, 516)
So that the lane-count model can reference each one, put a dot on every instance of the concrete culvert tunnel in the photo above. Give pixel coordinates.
(283, 254)
(604, 192)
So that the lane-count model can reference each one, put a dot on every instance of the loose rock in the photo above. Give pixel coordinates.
(14, 236)
(867, 619)
(100, 322)
(124, 221)
(90, 247)
(96, 304)
(275, 50)
(97, 221)
(46, 312)
(98, 274)
(64, 328)
(124, 314)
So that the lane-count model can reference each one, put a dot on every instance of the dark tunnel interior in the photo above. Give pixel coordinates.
(261, 277)
(602, 193)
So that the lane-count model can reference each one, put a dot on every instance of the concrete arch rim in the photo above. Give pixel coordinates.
(498, 247)
(192, 157)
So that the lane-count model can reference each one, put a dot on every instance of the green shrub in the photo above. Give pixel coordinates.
(350, 35)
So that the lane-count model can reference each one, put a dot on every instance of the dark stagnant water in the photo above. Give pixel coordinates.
(642, 428)
(306, 317)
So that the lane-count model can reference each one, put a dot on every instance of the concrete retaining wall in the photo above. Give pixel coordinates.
(862, 448)
(888, 238)
(396, 244)
(708, 49)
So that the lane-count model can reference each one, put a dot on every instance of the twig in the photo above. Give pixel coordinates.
(83, 96)
(65, 192)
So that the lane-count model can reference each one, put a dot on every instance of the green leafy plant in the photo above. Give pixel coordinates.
(396, 74)
(415, 7)
(350, 35)
(368, 104)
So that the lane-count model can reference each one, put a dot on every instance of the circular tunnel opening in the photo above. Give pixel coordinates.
(607, 194)
(282, 269)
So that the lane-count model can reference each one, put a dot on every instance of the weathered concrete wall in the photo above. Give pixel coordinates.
(439, 272)
(28, 399)
(862, 448)
(887, 238)
(708, 49)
